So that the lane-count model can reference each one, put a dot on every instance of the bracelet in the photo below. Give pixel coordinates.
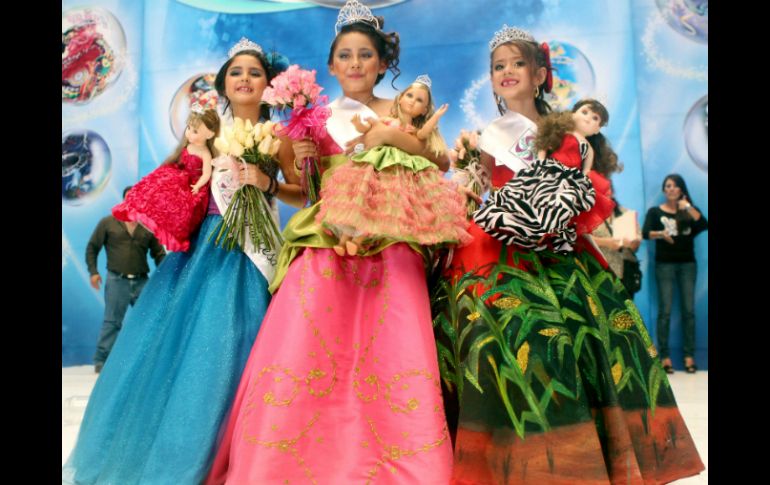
(269, 188)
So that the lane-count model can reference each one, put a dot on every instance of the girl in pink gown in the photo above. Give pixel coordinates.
(171, 201)
(342, 385)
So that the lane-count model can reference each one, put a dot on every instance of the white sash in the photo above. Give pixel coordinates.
(339, 126)
(510, 140)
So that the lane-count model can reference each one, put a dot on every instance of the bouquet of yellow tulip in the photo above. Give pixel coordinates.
(248, 209)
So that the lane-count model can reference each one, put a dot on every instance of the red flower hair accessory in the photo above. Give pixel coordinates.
(549, 75)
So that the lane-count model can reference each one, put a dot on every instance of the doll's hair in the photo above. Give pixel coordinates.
(682, 217)
(435, 143)
(387, 45)
(552, 128)
(272, 69)
(210, 120)
(536, 58)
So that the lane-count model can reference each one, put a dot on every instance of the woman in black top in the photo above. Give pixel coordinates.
(674, 225)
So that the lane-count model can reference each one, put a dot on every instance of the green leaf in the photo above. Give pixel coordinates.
(562, 389)
(566, 313)
(472, 361)
(581, 335)
(472, 379)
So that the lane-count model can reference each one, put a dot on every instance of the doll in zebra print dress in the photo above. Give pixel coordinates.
(565, 192)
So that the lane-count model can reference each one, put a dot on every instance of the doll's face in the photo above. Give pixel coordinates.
(355, 63)
(415, 101)
(198, 134)
(587, 121)
(245, 80)
(513, 76)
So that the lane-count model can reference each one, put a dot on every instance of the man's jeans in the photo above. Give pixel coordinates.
(119, 292)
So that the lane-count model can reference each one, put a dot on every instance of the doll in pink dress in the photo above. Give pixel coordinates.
(171, 201)
(385, 192)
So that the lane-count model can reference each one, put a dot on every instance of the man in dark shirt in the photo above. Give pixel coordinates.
(126, 245)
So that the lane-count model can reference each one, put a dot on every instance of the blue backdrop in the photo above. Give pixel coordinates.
(645, 60)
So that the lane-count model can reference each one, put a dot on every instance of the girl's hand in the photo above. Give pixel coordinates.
(195, 189)
(355, 145)
(252, 175)
(377, 134)
(304, 148)
(666, 237)
(683, 203)
(440, 112)
(470, 194)
(633, 244)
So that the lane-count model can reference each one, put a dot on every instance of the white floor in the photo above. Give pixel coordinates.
(691, 393)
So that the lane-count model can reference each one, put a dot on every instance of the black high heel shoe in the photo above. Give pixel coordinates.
(690, 369)
(668, 368)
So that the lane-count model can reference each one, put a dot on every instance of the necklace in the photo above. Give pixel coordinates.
(369, 100)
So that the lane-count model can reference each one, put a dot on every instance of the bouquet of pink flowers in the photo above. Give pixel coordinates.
(296, 95)
(248, 210)
(466, 161)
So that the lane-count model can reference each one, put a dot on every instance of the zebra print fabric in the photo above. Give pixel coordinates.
(539, 201)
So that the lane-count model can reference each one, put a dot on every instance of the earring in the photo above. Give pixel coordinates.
(537, 91)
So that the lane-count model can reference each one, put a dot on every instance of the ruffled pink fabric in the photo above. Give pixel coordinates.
(396, 203)
(164, 203)
(342, 385)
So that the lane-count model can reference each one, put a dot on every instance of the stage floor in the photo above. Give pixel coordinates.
(691, 393)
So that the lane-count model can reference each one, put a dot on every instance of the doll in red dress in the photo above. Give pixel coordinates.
(172, 200)
(565, 192)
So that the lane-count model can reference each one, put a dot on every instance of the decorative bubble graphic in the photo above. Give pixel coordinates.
(696, 133)
(198, 88)
(689, 18)
(85, 166)
(573, 75)
(93, 47)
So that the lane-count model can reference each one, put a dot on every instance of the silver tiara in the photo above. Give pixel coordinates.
(423, 79)
(243, 45)
(197, 108)
(509, 34)
(353, 11)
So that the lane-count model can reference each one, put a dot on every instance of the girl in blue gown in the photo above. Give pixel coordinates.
(156, 409)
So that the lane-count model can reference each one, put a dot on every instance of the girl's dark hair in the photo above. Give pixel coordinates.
(270, 71)
(535, 56)
(682, 217)
(386, 44)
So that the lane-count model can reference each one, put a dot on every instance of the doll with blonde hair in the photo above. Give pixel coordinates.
(385, 192)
